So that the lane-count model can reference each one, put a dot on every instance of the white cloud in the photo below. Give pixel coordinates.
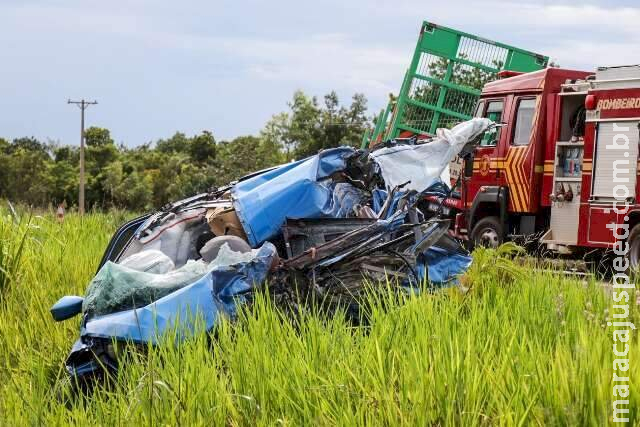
(331, 61)
(578, 35)
(574, 35)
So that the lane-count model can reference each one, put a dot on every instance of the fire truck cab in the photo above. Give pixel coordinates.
(563, 167)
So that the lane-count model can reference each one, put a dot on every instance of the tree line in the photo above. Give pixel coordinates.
(148, 176)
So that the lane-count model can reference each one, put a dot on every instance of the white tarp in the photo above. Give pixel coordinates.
(423, 164)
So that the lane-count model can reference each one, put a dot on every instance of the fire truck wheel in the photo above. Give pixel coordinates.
(487, 233)
(634, 248)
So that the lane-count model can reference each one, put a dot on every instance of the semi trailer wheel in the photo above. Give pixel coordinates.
(634, 248)
(487, 233)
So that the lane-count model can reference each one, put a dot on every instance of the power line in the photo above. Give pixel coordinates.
(82, 104)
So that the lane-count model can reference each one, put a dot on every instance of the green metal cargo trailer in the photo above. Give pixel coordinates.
(444, 81)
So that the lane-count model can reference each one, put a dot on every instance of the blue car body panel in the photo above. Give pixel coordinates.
(206, 299)
(295, 190)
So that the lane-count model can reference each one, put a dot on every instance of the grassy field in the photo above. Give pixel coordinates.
(518, 348)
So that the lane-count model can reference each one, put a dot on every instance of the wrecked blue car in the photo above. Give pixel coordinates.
(327, 223)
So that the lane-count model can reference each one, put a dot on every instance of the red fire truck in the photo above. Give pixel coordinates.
(562, 166)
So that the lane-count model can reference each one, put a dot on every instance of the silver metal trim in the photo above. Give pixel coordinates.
(615, 119)
(573, 93)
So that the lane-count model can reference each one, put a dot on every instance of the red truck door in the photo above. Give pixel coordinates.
(485, 160)
(517, 152)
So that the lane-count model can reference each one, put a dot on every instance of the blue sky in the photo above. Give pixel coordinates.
(158, 66)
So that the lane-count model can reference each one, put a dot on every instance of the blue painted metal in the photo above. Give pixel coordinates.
(443, 266)
(66, 307)
(295, 190)
(215, 294)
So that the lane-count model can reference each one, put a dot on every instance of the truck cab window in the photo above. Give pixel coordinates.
(493, 113)
(524, 121)
(479, 109)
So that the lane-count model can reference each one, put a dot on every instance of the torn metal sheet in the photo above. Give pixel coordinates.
(420, 166)
(301, 235)
(295, 190)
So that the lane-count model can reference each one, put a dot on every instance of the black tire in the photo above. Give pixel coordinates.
(487, 232)
(634, 248)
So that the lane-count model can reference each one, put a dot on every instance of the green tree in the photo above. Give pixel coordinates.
(313, 127)
(191, 179)
(66, 153)
(242, 156)
(5, 159)
(26, 176)
(96, 137)
(355, 120)
(134, 192)
(113, 176)
(4, 146)
(101, 151)
(277, 141)
(305, 124)
(62, 182)
(178, 143)
(28, 144)
(202, 148)
(151, 175)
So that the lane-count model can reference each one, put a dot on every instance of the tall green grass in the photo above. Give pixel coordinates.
(13, 236)
(517, 348)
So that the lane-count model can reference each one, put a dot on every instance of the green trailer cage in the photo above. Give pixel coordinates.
(444, 81)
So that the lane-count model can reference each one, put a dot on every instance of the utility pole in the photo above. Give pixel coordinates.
(82, 104)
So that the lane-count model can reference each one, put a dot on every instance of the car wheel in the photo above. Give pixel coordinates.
(487, 233)
(634, 248)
